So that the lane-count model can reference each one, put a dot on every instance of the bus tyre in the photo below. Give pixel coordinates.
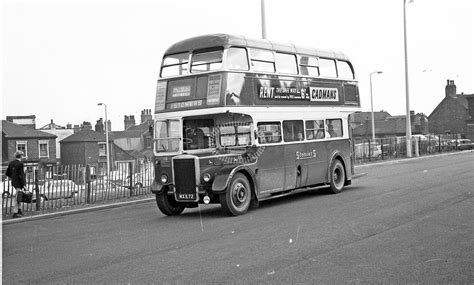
(337, 176)
(168, 205)
(236, 200)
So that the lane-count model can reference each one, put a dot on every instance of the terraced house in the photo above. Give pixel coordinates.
(39, 147)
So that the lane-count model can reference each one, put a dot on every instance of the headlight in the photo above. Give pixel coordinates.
(206, 177)
(164, 178)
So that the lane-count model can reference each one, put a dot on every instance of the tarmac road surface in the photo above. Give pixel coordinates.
(408, 221)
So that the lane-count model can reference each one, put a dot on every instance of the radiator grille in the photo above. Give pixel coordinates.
(185, 179)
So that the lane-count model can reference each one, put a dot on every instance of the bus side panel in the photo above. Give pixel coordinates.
(296, 173)
(317, 167)
(271, 170)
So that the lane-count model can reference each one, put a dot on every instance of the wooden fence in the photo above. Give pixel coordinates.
(75, 185)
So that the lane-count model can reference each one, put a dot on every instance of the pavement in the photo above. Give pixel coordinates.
(147, 199)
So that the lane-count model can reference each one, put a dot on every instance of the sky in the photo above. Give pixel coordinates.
(61, 58)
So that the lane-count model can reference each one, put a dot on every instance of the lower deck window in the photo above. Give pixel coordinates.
(269, 132)
(293, 131)
(334, 128)
(315, 129)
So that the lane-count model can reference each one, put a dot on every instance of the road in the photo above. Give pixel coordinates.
(409, 221)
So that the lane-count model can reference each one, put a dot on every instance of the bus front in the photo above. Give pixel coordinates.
(199, 138)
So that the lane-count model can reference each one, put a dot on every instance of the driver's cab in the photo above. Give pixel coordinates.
(204, 133)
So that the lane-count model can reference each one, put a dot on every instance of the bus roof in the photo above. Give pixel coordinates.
(225, 40)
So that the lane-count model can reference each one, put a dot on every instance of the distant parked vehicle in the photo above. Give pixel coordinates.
(465, 144)
(57, 189)
(365, 150)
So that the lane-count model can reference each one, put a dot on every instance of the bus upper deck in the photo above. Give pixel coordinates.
(226, 70)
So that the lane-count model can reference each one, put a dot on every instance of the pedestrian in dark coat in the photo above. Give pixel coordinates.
(16, 172)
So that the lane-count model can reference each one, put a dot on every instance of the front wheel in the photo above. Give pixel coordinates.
(168, 205)
(337, 176)
(236, 200)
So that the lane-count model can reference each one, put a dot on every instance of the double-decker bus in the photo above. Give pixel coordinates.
(241, 120)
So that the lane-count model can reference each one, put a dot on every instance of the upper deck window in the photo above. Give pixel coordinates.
(309, 65)
(237, 59)
(327, 67)
(286, 63)
(262, 60)
(175, 64)
(206, 61)
(344, 70)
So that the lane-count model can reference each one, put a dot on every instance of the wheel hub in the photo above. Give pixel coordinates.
(240, 193)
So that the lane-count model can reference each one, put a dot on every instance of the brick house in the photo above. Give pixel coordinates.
(136, 140)
(88, 147)
(60, 131)
(84, 147)
(453, 114)
(39, 147)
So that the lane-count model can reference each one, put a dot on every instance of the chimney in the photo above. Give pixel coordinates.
(109, 126)
(450, 88)
(99, 126)
(86, 126)
(52, 126)
(129, 121)
(76, 128)
(68, 126)
(146, 115)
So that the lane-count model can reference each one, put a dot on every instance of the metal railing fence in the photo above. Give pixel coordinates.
(367, 150)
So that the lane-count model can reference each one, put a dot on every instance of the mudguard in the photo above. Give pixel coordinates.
(344, 162)
(156, 188)
(224, 176)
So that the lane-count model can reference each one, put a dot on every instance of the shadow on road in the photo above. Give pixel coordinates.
(215, 210)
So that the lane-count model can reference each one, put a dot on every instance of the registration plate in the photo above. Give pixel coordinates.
(187, 196)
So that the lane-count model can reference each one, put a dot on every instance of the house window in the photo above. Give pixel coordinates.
(43, 148)
(102, 149)
(22, 146)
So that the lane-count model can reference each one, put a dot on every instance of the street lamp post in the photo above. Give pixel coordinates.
(408, 119)
(372, 104)
(106, 137)
(264, 26)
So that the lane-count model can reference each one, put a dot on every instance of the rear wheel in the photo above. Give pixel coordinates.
(236, 200)
(168, 205)
(337, 176)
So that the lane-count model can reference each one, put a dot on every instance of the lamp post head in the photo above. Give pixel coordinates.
(100, 104)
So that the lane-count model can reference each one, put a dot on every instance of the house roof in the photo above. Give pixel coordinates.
(85, 136)
(458, 98)
(364, 116)
(131, 132)
(125, 134)
(12, 130)
(51, 126)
